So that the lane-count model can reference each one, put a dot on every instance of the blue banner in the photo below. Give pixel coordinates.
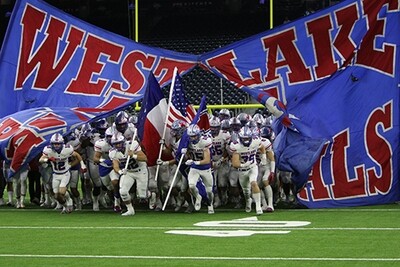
(335, 73)
(51, 59)
(331, 79)
(24, 134)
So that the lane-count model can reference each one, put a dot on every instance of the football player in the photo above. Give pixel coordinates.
(57, 153)
(244, 160)
(200, 166)
(136, 171)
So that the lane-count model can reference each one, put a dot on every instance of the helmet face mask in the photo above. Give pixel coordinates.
(194, 133)
(118, 142)
(178, 127)
(225, 125)
(245, 136)
(101, 126)
(108, 134)
(86, 131)
(266, 132)
(243, 118)
(235, 124)
(121, 121)
(224, 114)
(215, 126)
(57, 142)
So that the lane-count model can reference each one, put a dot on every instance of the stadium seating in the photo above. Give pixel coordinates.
(199, 81)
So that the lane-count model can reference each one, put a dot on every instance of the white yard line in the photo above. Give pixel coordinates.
(196, 228)
(197, 258)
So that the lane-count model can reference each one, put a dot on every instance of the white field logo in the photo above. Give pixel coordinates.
(241, 227)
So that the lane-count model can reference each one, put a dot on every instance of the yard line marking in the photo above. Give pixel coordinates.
(195, 228)
(196, 258)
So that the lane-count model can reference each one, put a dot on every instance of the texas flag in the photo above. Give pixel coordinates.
(151, 122)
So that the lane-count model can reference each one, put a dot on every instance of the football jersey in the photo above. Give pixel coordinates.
(247, 153)
(196, 151)
(104, 148)
(115, 154)
(265, 142)
(219, 144)
(76, 145)
(61, 165)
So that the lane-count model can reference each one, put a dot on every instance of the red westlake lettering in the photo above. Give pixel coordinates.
(343, 186)
(283, 42)
(95, 47)
(380, 150)
(370, 55)
(131, 72)
(44, 58)
(225, 63)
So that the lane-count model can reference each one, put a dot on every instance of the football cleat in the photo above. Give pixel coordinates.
(248, 205)
(210, 209)
(128, 213)
(197, 204)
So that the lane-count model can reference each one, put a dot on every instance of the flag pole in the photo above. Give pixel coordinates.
(130, 148)
(173, 181)
(166, 119)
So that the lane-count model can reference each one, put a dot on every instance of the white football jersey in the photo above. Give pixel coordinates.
(104, 148)
(247, 153)
(219, 144)
(61, 165)
(197, 150)
(265, 142)
(122, 157)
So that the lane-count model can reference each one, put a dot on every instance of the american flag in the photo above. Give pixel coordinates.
(180, 108)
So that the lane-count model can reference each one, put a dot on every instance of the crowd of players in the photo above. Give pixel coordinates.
(235, 161)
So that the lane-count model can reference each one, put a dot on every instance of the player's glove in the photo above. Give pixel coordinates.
(184, 150)
(83, 167)
(161, 162)
(189, 162)
(271, 178)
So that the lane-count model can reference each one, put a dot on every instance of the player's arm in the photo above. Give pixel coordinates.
(44, 158)
(77, 158)
(236, 160)
(138, 155)
(97, 157)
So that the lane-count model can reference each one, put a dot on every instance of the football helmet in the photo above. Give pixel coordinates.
(245, 136)
(57, 142)
(86, 131)
(225, 126)
(178, 127)
(121, 121)
(194, 133)
(252, 124)
(101, 126)
(266, 132)
(259, 119)
(215, 125)
(118, 141)
(235, 124)
(243, 118)
(224, 114)
(108, 134)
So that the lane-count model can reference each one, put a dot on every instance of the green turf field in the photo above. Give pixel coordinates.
(364, 236)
